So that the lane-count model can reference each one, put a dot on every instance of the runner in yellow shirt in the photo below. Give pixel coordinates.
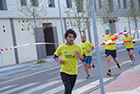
(87, 47)
(110, 50)
(129, 47)
(70, 53)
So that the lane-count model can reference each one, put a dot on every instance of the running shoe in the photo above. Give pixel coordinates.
(134, 57)
(87, 76)
(109, 73)
(132, 62)
(119, 67)
(93, 65)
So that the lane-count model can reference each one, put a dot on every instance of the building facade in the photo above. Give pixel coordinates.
(13, 23)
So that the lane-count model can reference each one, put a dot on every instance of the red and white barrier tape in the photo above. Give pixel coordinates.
(22, 45)
(119, 42)
(121, 33)
(105, 43)
(109, 42)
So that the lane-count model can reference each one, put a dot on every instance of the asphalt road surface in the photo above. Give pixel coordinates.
(46, 79)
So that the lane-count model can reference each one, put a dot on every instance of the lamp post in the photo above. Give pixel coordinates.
(97, 48)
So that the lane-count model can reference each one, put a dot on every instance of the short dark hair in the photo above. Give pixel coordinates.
(124, 31)
(71, 31)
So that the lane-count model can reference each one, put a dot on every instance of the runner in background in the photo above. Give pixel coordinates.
(70, 53)
(87, 48)
(110, 50)
(129, 46)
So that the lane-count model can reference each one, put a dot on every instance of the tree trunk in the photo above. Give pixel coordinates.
(136, 26)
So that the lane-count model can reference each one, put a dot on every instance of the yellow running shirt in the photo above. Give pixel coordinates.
(128, 44)
(109, 47)
(68, 55)
(86, 46)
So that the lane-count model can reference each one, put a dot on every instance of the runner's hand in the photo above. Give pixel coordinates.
(88, 51)
(61, 62)
(77, 54)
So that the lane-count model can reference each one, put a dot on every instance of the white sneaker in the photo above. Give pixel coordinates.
(132, 62)
(134, 57)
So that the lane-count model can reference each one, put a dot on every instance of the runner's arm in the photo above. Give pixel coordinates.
(79, 55)
(92, 48)
(58, 60)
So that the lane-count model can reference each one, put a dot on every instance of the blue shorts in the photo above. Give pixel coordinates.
(128, 49)
(88, 60)
(110, 52)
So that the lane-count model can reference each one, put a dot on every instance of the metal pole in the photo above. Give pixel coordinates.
(0, 59)
(97, 49)
(61, 21)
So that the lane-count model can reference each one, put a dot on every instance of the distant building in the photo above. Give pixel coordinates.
(13, 33)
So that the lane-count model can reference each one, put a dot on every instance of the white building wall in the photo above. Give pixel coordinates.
(11, 11)
(6, 40)
(100, 29)
(26, 53)
(56, 23)
(123, 24)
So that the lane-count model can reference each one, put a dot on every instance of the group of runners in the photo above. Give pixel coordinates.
(70, 52)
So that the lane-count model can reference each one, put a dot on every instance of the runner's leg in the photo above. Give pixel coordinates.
(72, 81)
(66, 82)
(85, 67)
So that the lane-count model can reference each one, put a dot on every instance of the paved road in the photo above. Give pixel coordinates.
(46, 79)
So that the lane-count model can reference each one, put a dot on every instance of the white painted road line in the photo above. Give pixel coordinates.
(18, 88)
(53, 72)
(29, 91)
(89, 86)
(60, 88)
(128, 61)
(30, 75)
(54, 78)
(7, 87)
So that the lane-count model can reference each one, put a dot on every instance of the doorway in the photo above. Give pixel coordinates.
(112, 26)
(50, 35)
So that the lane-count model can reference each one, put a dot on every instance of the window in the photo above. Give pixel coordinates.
(34, 2)
(125, 4)
(119, 4)
(3, 5)
(69, 3)
(111, 6)
(132, 4)
(139, 4)
(51, 3)
(100, 4)
(23, 2)
(79, 4)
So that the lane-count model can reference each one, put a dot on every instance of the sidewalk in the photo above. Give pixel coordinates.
(6, 70)
(127, 83)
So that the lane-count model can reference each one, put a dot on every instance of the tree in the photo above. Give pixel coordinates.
(35, 12)
(133, 13)
(107, 11)
(80, 12)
